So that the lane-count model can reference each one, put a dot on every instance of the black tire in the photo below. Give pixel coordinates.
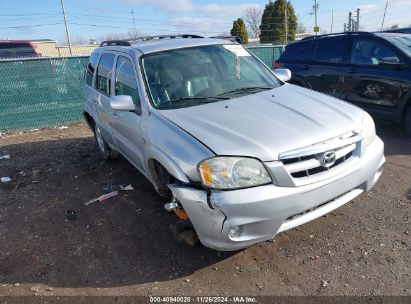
(407, 121)
(105, 151)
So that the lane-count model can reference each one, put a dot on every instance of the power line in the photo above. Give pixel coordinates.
(34, 25)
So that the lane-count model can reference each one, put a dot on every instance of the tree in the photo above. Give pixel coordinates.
(252, 17)
(394, 26)
(240, 30)
(273, 22)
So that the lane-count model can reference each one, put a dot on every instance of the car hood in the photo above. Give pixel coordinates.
(265, 124)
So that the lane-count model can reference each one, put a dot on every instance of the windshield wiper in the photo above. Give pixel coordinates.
(194, 98)
(246, 89)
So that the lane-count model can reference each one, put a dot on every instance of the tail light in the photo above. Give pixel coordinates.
(276, 64)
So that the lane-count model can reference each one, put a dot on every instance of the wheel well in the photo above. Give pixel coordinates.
(406, 109)
(90, 121)
(161, 177)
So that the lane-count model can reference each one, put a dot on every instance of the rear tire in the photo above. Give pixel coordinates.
(105, 151)
(407, 121)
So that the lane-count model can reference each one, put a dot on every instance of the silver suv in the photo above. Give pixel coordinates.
(240, 154)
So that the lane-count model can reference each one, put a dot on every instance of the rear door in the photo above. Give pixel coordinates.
(126, 125)
(372, 83)
(297, 58)
(324, 72)
(103, 88)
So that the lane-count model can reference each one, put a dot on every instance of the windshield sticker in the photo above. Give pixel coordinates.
(237, 50)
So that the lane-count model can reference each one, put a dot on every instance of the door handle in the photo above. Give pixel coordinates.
(115, 116)
(352, 71)
(306, 66)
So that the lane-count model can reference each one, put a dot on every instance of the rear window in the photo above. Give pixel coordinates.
(297, 51)
(104, 69)
(91, 66)
(330, 49)
(14, 50)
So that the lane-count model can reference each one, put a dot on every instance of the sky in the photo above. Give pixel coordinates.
(43, 19)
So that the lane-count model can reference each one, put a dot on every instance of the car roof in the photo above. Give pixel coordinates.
(156, 45)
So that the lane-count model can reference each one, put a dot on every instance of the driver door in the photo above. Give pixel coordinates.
(126, 125)
(370, 82)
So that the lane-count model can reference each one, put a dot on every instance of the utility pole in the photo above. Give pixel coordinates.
(315, 14)
(286, 26)
(65, 23)
(134, 21)
(332, 20)
(357, 25)
(383, 18)
(350, 25)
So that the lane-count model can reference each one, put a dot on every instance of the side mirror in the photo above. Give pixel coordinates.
(283, 74)
(122, 103)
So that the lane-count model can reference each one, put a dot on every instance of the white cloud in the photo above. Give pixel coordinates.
(222, 10)
(167, 5)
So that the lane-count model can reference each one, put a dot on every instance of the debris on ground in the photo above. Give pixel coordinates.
(62, 127)
(71, 215)
(324, 283)
(101, 198)
(5, 179)
(110, 187)
(5, 157)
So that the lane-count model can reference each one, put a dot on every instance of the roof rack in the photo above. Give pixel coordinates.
(115, 43)
(157, 37)
(336, 34)
(146, 38)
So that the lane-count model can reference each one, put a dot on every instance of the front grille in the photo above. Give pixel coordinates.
(320, 169)
(322, 157)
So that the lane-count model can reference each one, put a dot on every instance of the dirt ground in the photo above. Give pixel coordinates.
(123, 246)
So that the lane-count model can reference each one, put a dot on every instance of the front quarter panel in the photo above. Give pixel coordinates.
(174, 148)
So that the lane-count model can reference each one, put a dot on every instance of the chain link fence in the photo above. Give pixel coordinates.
(44, 92)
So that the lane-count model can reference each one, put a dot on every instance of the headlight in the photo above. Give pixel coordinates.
(232, 172)
(368, 129)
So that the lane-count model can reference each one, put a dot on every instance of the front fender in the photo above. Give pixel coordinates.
(167, 162)
(174, 148)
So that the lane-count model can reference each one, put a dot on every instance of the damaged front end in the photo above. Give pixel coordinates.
(207, 220)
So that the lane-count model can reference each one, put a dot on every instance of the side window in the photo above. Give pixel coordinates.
(126, 83)
(371, 52)
(297, 51)
(91, 66)
(103, 79)
(330, 49)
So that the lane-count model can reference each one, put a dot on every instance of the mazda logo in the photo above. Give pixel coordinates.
(328, 159)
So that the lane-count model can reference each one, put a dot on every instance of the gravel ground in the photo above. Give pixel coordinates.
(123, 246)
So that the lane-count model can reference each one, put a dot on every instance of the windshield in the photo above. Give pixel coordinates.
(196, 75)
(401, 41)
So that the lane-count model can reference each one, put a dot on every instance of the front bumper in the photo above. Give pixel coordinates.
(265, 211)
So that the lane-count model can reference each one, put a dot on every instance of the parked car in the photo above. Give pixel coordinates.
(371, 70)
(240, 154)
(17, 49)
